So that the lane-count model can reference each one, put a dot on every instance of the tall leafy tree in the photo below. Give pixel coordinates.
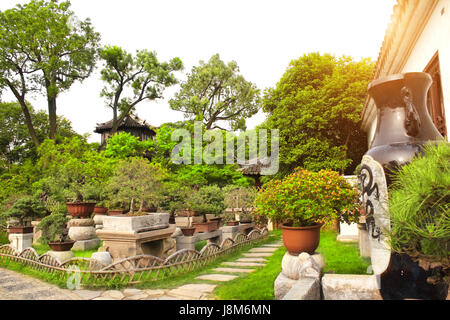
(132, 79)
(316, 105)
(215, 91)
(16, 144)
(45, 48)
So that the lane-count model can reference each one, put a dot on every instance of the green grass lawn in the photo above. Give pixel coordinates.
(43, 248)
(3, 238)
(340, 258)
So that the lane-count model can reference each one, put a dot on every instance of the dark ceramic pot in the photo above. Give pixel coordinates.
(301, 239)
(232, 223)
(101, 210)
(403, 127)
(205, 227)
(61, 246)
(116, 212)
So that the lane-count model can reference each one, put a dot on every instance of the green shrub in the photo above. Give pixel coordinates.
(53, 228)
(420, 206)
(304, 198)
(25, 209)
(207, 199)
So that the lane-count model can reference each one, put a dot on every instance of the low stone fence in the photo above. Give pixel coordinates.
(132, 269)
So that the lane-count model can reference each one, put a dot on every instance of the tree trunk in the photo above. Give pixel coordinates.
(27, 115)
(52, 117)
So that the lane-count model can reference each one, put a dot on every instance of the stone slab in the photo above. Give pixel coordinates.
(84, 245)
(350, 287)
(138, 224)
(193, 295)
(252, 260)
(217, 277)
(233, 270)
(154, 292)
(257, 255)
(131, 292)
(140, 296)
(88, 294)
(304, 289)
(282, 285)
(271, 245)
(200, 287)
(243, 264)
(266, 250)
(113, 294)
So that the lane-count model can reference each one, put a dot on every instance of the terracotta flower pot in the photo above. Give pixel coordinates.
(20, 229)
(232, 223)
(61, 246)
(101, 210)
(217, 221)
(188, 232)
(150, 209)
(301, 239)
(80, 209)
(205, 227)
(116, 212)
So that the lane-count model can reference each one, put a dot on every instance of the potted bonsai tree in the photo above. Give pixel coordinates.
(207, 200)
(419, 207)
(136, 181)
(55, 233)
(241, 198)
(21, 213)
(304, 201)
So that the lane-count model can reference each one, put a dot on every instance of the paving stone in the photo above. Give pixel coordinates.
(200, 287)
(192, 295)
(131, 292)
(102, 298)
(6, 280)
(258, 255)
(233, 270)
(263, 250)
(18, 286)
(272, 245)
(36, 295)
(153, 293)
(140, 296)
(252, 260)
(113, 294)
(165, 297)
(217, 277)
(88, 294)
(243, 264)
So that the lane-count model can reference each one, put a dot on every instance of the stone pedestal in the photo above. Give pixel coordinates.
(62, 256)
(183, 222)
(300, 277)
(189, 242)
(232, 231)
(83, 232)
(98, 221)
(36, 233)
(129, 236)
(20, 241)
(363, 238)
(350, 287)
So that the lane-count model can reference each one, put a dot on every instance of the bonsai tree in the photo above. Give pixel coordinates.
(419, 205)
(240, 197)
(305, 198)
(136, 181)
(208, 199)
(24, 210)
(53, 228)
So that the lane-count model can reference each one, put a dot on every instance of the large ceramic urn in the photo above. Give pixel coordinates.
(403, 127)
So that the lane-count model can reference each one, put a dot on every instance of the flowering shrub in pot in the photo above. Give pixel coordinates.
(304, 201)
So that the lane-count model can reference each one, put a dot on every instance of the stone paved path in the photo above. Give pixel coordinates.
(15, 286)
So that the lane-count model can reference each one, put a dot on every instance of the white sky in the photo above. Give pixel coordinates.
(262, 36)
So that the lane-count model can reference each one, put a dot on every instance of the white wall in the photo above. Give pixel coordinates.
(435, 37)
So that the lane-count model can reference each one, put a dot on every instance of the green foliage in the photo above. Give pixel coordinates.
(316, 105)
(16, 144)
(304, 198)
(53, 228)
(208, 199)
(419, 204)
(214, 91)
(143, 75)
(25, 208)
(73, 170)
(124, 145)
(199, 175)
(45, 48)
(135, 180)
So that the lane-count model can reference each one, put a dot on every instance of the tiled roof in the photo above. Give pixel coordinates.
(130, 121)
(254, 167)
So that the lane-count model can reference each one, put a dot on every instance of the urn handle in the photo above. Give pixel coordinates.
(412, 120)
